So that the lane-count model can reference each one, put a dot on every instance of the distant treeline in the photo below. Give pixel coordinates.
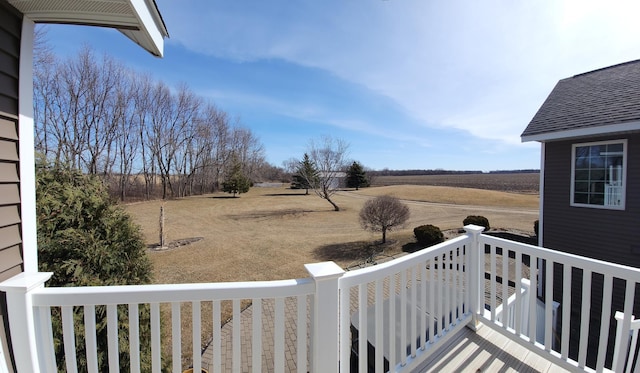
(387, 172)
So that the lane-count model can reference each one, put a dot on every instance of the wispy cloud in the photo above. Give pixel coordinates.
(482, 67)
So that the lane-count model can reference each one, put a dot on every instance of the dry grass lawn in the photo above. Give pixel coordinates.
(270, 233)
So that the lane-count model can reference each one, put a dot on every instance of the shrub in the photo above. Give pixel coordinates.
(428, 234)
(477, 220)
(536, 226)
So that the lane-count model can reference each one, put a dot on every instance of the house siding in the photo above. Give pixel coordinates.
(610, 235)
(11, 258)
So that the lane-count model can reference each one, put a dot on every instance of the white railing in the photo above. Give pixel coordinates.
(391, 316)
(583, 336)
(409, 306)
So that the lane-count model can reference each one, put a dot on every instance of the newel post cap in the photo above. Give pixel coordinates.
(324, 270)
(25, 282)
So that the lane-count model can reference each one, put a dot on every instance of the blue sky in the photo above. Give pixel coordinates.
(409, 84)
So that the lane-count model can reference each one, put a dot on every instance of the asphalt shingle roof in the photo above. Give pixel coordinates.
(597, 98)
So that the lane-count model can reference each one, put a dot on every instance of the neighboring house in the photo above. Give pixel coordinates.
(139, 20)
(589, 130)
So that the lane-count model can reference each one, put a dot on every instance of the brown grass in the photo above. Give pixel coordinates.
(270, 233)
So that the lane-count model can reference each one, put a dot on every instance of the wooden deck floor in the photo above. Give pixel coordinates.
(486, 351)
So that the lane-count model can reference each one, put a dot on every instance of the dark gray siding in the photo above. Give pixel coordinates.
(10, 230)
(610, 235)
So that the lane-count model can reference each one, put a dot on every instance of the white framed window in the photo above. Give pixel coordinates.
(598, 174)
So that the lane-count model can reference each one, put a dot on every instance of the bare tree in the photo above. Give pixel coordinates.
(328, 157)
(383, 214)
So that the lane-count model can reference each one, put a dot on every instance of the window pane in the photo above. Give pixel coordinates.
(615, 148)
(582, 175)
(581, 187)
(597, 188)
(596, 199)
(597, 171)
(581, 198)
(597, 174)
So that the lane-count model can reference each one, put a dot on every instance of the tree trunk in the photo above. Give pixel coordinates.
(384, 236)
(335, 207)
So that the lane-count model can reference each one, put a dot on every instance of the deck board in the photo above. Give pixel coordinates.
(486, 351)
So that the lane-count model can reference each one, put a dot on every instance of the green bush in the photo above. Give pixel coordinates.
(87, 240)
(536, 226)
(477, 220)
(428, 235)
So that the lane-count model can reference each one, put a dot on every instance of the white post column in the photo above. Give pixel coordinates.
(326, 323)
(21, 320)
(476, 284)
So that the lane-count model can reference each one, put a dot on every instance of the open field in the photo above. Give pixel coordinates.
(518, 182)
(270, 233)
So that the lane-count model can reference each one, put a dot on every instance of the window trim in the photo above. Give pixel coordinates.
(625, 158)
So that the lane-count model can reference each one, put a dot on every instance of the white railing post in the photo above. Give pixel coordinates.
(476, 284)
(21, 318)
(326, 323)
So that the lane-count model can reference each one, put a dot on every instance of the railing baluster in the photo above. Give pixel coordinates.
(453, 287)
(362, 332)
(467, 278)
(548, 304)
(440, 287)
(379, 319)
(622, 333)
(584, 317)
(134, 337)
(446, 288)
(492, 281)
(433, 326)
(69, 339)
(176, 336)
(505, 288)
(112, 337)
(237, 345)
(403, 317)
(196, 337)
(533, 298)
(423, 305)
(393, 359)
(278, 336)
(566, 310)
(156, 356)
(256, 336)
(345, 328)
(46, 333)
(414, 313)
(217, 336)
(459, 288)
(518, 284)
(302, 334)
(90, 337)
(607, 290)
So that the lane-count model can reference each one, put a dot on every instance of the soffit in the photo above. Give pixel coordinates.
(139, 20)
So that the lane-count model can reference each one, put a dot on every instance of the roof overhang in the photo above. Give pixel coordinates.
(139, 20)
(605, 129)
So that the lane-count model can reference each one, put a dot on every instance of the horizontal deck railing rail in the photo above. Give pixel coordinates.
(392, 316)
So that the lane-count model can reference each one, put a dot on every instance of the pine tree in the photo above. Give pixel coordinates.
(356, 176)
(87, 240)
(306, 176)
(235, 181)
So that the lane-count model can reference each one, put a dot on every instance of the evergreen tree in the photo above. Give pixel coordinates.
(306, 176)
(236, 182)
(87, 240)
(356, 176)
